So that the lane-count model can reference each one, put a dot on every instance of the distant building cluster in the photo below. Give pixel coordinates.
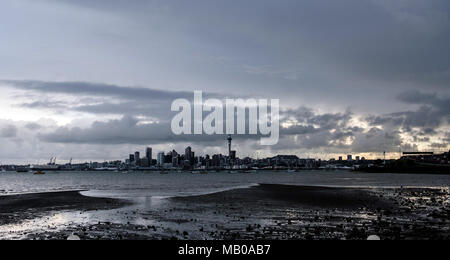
(189, 161)
(427, 157)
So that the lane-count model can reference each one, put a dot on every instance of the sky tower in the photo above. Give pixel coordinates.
(229, 144)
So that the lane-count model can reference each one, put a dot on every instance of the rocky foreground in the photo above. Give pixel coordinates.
(263, 212)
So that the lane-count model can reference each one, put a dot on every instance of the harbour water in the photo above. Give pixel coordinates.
(139, 184)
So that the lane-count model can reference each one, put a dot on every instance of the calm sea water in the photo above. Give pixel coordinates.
(129, 185)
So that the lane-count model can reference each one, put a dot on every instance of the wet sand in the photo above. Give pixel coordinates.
(262, 212)
(309, 196)
(17, 208)
(300, 212)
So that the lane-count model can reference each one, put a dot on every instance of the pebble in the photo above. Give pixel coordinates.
(373, 238)
(73, 238)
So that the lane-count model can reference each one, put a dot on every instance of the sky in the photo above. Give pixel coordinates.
(94, 79)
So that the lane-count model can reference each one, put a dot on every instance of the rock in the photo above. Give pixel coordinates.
(373, 238)
(73, 238)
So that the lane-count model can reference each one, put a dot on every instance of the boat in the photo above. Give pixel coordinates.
(39, 173)
(233, 172)
(291, 170)
(195, 172)
(22, 170)
(203, 172)
(45, 167)
(105, 169)
(51, 166)
(164, 172)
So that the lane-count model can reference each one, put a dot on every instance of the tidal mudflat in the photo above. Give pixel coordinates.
(262, 212)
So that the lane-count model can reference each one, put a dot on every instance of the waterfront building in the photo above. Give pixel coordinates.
(148, 154)
(175, 162)
(233, 155)
(161, 158)
(137, 158)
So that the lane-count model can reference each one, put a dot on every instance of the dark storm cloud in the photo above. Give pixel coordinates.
(309, 122)
(439, 145)
(9, 131)
(158, 110)
(430, 99)
(131, 100)
(108, 5)
(316, 131)
(129, 130)
(124, 131)
(405, 41)
(378, 140)
(99, 90)
(44, 105)
(310, 130)
(447, 137)
(129, 108)
(432, 113)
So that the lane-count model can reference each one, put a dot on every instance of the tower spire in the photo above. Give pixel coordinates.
(229, 145)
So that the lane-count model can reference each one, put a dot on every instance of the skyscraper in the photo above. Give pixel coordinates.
(148, 154)
(175, 162)
(229, 145)
(137, 157)
(188, 154)
(233, 155)
(160, 158)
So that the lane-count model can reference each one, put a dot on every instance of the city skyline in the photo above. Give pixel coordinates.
(135, 158)
(93, 80)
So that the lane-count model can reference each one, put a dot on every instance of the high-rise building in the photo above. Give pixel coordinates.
(148, 154)
(160, 158)
(137, 158)
(175, 162)
(229, 145)
(233, 155)
(131, 158)
(145, 162)
(188, 153)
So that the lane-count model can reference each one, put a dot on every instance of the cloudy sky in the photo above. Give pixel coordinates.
(94, 79)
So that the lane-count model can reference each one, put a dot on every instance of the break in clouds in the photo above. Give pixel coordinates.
(95, 79)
